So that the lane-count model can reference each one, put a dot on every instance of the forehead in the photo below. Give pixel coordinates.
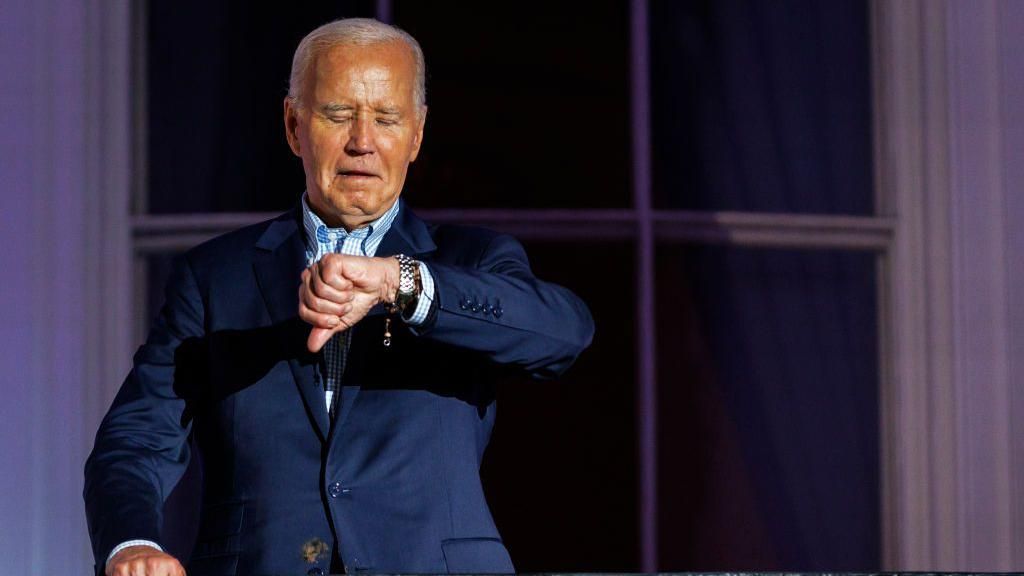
(384, 71)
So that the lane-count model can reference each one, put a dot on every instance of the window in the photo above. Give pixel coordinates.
(700, 172)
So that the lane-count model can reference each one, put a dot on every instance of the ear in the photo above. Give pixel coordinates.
(417, 140)
(291, 126)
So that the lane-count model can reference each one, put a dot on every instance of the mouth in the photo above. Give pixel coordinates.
(356, 174)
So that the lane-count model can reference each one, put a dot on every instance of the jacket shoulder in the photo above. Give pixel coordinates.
(235, 247)
(470, 242)
(229, 256)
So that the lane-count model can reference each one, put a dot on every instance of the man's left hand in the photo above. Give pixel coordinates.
(339, 290)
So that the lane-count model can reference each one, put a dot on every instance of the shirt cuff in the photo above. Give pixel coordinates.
(124, 545)
(425, 300)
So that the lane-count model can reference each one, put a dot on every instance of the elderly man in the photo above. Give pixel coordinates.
(336, 366)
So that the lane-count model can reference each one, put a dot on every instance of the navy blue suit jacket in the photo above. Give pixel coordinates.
(394, 479)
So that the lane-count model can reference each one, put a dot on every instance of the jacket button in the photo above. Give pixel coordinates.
(334, 489)
(316, 572)
(497, 312)
(463, 303)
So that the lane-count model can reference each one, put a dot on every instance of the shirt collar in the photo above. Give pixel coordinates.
(322, 239)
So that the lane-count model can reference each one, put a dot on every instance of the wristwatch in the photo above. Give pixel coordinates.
(410, 285)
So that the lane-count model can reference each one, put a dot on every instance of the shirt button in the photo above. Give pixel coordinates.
(334, 489)
(316, 572)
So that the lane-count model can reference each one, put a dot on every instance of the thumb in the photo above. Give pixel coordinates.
(317, 338)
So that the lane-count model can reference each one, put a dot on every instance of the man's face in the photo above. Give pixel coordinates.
(356, 130)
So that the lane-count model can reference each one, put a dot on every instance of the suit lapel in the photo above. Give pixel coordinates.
(280, 259)
(408, 235)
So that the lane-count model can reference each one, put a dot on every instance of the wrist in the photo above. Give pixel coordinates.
(127, 545)
(410, 285)
(390, 281)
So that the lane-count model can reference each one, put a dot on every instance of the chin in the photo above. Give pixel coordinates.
(342, 203)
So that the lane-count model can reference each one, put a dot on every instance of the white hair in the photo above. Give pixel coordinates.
(357, 32)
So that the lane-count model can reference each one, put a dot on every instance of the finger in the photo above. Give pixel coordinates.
(137, 568)
(326, 318)
(125, 569)
(156, 566)
(355, 273)
(318, 319)
(162, 566)
(317, 338)
(331, 269)
(169, 567)
(317, 303)
(329, 290)
(334, 276)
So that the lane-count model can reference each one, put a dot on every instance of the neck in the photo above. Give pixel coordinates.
(349, 223)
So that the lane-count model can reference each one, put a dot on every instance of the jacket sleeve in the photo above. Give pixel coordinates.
(499, 308)
(141, 448)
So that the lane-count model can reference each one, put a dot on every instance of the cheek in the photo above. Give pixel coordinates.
(396, 151)
(325, 149)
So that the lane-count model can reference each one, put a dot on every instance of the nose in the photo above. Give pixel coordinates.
(360, 138)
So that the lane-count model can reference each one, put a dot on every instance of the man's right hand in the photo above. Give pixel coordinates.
(339, 290)
(144, 561)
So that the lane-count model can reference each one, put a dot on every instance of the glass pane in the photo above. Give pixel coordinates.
(218, 74)
(158, 269)
(761, 106)
(768, 409)
(528, 107)
(560, 473)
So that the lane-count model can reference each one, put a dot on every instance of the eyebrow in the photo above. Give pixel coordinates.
(335, 107)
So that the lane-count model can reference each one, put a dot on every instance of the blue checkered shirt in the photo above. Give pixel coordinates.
(321, 240)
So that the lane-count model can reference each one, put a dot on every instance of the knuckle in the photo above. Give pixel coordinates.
(317, 285)
(315, 303)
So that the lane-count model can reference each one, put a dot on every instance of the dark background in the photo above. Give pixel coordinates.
(767, 403)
